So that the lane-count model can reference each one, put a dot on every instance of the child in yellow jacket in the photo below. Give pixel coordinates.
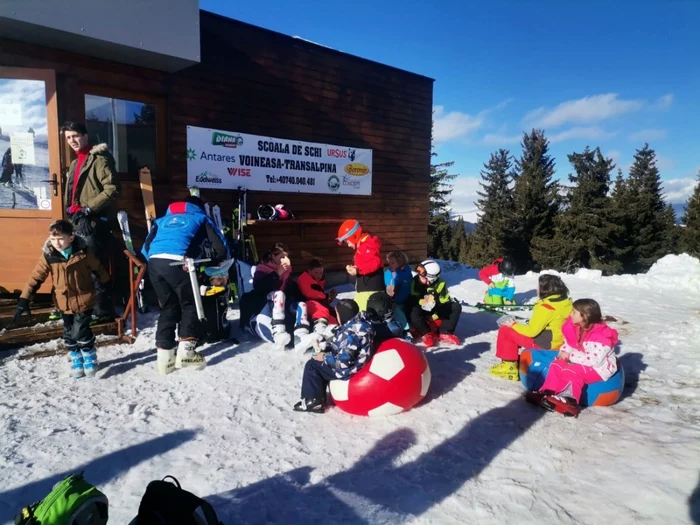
(543, 331)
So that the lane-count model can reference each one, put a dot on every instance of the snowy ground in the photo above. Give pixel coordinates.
(473, 452)
(22, 195)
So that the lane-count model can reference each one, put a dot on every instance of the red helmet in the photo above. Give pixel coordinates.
(351, 231)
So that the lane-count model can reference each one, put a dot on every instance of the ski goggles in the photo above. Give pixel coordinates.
(348, 234)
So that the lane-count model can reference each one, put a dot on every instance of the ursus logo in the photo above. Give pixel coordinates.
(356, 169)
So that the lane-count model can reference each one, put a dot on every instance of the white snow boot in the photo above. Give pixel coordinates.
(166, 361)
(280, 335)
(188, 357)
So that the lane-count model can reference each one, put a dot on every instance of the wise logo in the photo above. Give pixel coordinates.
(333, 183)
(239, 172)
(226, 140)
(356, 169)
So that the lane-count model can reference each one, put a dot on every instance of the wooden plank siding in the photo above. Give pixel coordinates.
(257, 81)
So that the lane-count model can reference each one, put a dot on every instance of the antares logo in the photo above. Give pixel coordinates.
(191, 154)
(228, 141)
(333, 183)
(356, 169)
(206, 177)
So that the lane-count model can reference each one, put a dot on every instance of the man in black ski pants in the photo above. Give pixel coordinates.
(184, 231)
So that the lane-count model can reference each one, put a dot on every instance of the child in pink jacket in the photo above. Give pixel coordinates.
(587, 356)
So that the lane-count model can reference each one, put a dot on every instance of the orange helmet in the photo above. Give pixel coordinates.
(351, 231)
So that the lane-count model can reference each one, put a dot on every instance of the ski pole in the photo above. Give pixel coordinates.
(190, 263)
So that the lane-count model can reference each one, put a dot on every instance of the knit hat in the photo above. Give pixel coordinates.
(346, 309)
(380, 308)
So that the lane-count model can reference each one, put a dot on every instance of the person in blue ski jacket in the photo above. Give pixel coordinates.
(397, 279)
(184, 232)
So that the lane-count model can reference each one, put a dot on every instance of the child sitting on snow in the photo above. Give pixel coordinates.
(430, 301)
(70, 264)
(543, 331)
(311, 286)
(499, 278)
(587, 356)
(380, 312)
(397, 280)
(346, 353)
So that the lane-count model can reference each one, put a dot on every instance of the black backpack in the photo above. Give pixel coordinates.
(166, 503)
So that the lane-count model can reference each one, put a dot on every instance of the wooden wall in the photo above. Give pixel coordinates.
(257, 81)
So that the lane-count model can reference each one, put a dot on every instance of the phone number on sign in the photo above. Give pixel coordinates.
(286, 179)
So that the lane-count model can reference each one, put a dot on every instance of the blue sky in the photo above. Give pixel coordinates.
(608, 74)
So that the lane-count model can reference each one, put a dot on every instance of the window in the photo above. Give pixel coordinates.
(127, 127)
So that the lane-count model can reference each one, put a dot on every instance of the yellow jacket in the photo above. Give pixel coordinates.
(548, 317)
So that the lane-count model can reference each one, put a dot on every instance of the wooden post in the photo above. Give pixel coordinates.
(131, 306)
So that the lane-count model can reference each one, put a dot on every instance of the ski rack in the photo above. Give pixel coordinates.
(132, 305)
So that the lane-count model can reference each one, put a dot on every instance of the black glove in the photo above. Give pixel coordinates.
(22, 306)
(83, 224)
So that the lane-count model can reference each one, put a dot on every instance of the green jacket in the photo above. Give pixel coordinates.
(438, 290)
(98, 183)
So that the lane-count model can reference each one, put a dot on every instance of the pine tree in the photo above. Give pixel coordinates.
(494, 228)
(536, 198)
(439, 231)
(622, 215)
(690, 237)
(654, 232)
(458, 242)
(584, 235)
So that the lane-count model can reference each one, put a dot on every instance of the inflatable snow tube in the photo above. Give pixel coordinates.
(534, 365)
(395, 379)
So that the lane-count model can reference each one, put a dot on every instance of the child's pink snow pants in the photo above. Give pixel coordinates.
(569, 376)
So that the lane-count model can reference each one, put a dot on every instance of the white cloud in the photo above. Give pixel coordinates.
(499, 140)
(464, 197)
(452, 125)
(677, 191)
(582, 132)
(664, 103)
(585, 110)
(31, 95)
(648, 135)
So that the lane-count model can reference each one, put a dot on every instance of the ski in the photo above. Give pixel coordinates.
(123, 219)
(216, 216)
(505, 306)
(194, 191)
(207, 210)
(492, 310)
(146, 184)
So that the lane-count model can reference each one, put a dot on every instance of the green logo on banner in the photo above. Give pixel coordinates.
(228, 141)
(191, 154)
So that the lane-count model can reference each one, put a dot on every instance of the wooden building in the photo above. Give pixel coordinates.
(244, 79)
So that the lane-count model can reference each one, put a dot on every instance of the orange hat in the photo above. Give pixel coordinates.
(351, 231)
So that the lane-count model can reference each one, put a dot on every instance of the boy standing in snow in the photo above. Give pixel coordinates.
(430, 301)
(499, 278)
(71, 265)
(345, 354)
(367, 263)
(184, 232)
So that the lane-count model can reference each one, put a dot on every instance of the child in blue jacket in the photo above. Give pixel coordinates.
(346, 353)
(397, 280)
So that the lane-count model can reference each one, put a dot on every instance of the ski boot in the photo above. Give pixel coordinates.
(535, 398)
(188, 357)
(449, 338)
(76, 358)
(563, 405)
(312, 405)
(90, 364)
(55, 315)
(429, 340)
(506, 370)
(166, 361)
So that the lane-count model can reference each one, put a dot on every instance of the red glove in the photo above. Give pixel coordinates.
(75, 208)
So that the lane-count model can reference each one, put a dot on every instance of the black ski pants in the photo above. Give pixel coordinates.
(449, 313)
(317, 374)
(77, 334)
(176, 298)
(99, 244)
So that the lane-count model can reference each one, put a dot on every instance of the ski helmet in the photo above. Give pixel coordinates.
(283, 213)
(351, 231)
(380, 308)
(506, 266)
(429, 269)
(267, 213)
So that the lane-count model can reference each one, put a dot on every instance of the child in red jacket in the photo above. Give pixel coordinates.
(311, 285)
(367, 264)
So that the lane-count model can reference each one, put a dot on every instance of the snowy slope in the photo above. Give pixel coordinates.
(474, 452)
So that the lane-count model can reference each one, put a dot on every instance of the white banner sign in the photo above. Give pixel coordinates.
(22, 145)
(229, 160)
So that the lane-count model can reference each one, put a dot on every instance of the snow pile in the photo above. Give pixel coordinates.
(589, 275)
(472, 452)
